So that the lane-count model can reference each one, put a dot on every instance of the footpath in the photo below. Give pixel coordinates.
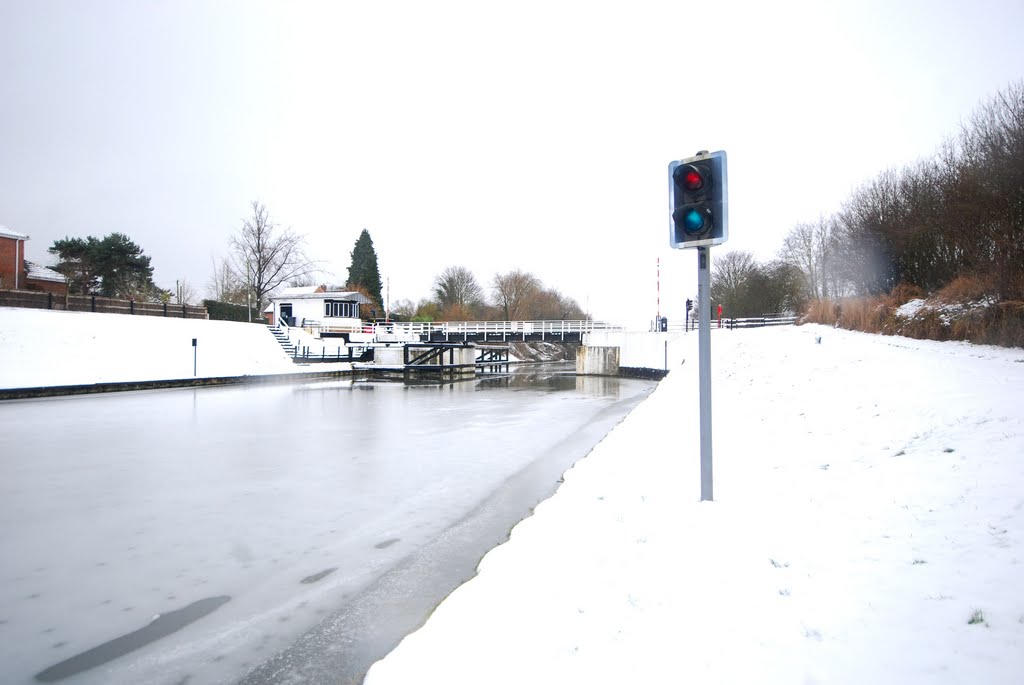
(868, 527)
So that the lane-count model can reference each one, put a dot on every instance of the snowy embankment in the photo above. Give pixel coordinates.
(46, 348)
(868, 527)
(868, 523)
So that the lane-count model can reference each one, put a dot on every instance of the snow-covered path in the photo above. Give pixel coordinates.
(868, 527)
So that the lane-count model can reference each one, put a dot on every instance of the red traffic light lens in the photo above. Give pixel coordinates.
(692, 180)
(689, 178)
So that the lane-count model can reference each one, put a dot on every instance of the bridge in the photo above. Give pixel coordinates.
(468, 331)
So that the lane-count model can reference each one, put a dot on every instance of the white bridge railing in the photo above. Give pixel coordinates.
(494, 329)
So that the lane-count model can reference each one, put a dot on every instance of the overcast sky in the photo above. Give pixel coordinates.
(531, 135)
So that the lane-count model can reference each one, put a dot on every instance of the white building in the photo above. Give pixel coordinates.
(322, 311)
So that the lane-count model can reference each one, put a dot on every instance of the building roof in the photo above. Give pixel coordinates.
(347, 296)
(43, 273)
(301, 290)
(8, 233)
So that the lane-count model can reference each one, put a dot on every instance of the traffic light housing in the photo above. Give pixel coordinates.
(698, 200)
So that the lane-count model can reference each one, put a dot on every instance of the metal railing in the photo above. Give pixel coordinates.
(495, 329)
(309, 354)
(760, 321)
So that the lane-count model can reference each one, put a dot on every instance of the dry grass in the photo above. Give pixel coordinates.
(964, 289)
(957, 312)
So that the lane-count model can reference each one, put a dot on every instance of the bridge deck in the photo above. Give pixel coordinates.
(495, 331)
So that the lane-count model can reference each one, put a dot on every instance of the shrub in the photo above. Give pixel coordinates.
(960, 311)
(224, 311)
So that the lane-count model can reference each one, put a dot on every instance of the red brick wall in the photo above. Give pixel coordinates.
(12, 261)
(45, 286)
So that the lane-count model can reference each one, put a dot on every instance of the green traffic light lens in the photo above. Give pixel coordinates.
(693, 221)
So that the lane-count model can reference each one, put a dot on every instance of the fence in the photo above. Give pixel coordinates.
(497, 330)
(28, 299)
(760, 321)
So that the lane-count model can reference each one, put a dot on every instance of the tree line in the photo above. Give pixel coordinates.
(264, 257)
(515, 295)
(957, 214)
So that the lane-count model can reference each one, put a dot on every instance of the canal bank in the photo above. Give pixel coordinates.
(51, 353)
(866, 493)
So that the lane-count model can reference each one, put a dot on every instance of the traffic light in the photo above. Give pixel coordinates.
(698, 200)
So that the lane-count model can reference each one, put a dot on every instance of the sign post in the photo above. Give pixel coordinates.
(699, 218)
(704, 362)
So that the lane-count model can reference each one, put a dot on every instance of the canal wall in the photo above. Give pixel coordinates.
(592, 360)
(640, 354)
(543, 350)
(127, 386)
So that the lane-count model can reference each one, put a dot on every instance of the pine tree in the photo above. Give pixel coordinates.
(112, 267)
(363, 273)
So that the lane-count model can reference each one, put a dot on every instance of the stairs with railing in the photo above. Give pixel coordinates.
(280, 333)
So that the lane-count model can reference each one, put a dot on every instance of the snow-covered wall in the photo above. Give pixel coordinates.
(641, 350)
(41, 348)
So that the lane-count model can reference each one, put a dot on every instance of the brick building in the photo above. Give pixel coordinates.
(18, 274)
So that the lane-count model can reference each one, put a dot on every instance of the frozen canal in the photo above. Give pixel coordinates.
(265, 533)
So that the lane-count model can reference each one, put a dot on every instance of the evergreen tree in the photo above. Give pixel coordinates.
(113, 267)
(363, 273)
(124, 270)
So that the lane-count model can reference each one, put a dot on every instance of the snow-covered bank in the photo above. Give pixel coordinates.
(868, 527)
(47, 348)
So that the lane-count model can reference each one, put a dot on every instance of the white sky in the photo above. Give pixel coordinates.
(531, 135)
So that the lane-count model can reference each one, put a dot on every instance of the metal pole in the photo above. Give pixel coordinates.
(704, 358)
(657, 319)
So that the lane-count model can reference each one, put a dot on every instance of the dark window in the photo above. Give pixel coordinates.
(347, 310)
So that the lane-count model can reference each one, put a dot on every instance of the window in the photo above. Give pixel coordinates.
(348, 310)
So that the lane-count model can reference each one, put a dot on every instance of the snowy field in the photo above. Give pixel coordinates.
(868, 523)
(868, 528)
(45, 348)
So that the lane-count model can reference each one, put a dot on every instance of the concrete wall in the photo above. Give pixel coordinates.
(459, 356)
(388, 356)
(597, 361)
(641, 350)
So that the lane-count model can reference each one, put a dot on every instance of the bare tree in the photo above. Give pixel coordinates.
(456, 289)
(813, 249)
(955, 214)
(403, 310)
(224, 286)
(265, 257)
(304, 281)
(184, 292)
(551, 305)
(731, 279)
(514, 293)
